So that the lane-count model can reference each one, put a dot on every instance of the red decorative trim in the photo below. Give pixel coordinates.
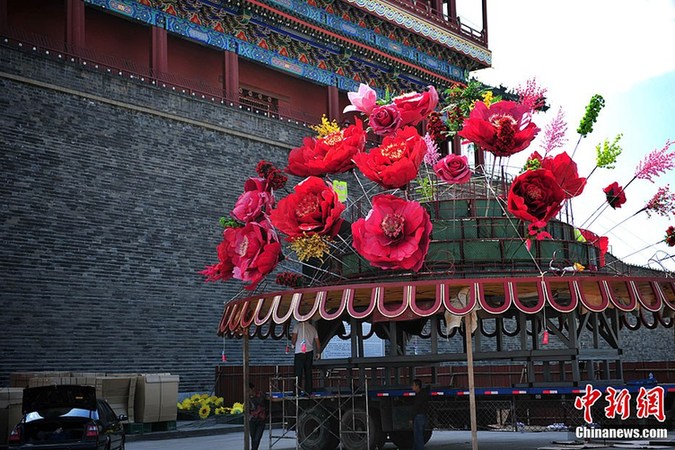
(622, 307)
(346, 293)
(660, 297)
(648, 306)
(509, 293)
(235, 317)
(289, 312)
(365, 313)
(378, 294)
(672, 288)
(575, 294)
(222, 326)
(544, 296)
(470, 304)
(245, 322)
(258, 321)
(297, 298)
(653, 324)
(422, 312)
(603, 295)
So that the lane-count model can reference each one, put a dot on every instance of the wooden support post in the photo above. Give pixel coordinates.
(247, 433)
(472, 389)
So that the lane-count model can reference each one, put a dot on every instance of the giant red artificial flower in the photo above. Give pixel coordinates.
(394, 235)
(453, 169)
(535, 196)
(254, 202)
(670, 236)
(416, 106)
(396, 162)
(247, 253)
(313, 208)
(615, 195)
(255, 251)
(330, 154)
(565, 171)
(600, 242)
(503, 128)
(223, 270)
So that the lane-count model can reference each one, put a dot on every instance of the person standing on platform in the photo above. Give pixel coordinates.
(307, 347)
(257, 415)
(419, 414)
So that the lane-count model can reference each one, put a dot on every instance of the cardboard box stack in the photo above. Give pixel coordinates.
(120, 392)
(143, 398)
(156, 398)
(10, 410)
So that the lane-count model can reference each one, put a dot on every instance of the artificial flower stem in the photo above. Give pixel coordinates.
(624, 220)
(362, 188)
(316, 268)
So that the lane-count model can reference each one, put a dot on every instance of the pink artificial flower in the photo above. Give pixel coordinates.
(416, 106)
(255, 251)
(385, 119)
(431, 156)
(254, 202)
(364, 100)
(453, 169)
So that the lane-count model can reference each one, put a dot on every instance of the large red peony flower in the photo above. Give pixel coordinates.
(330, 154)
(394, 235)
(255, 251)
(615, 195)
(313, 208)
(453, 169)
(535, 196)
(503, 128)
(396, 162)
(415, 106)
(565, 171)
(254, 202)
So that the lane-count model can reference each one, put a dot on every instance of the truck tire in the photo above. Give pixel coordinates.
(353, 435)
(404, 439)
(317, 430)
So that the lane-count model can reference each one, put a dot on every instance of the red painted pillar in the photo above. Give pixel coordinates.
(452, 10)
(456, 145)
(333, 103)
(3, 16)
(437, 6)
(231, 76)
(159, 62)
(485, 23)
(74, 25)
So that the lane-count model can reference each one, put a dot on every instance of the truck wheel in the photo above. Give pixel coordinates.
(355, 423)
(404, 439)
(316, 430)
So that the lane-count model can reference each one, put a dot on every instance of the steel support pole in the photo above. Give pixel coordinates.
(247, 433)
(472, 391)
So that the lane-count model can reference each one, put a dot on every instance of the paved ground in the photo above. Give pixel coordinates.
(440, 440)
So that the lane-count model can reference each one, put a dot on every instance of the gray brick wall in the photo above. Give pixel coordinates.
(107, 216)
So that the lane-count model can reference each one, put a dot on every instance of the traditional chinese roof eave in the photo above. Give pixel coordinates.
(419, 299)
(428, 30)
(394, 60)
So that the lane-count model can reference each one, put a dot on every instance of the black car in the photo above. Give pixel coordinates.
(67, 417)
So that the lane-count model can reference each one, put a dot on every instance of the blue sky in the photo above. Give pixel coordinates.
(619, 49)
